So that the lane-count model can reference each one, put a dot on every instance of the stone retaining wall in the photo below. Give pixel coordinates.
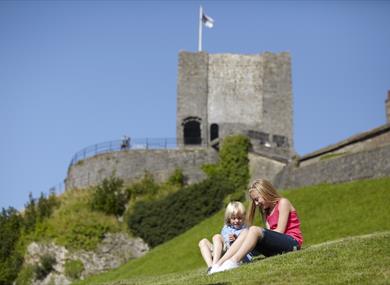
(131, 165)
(372, 163)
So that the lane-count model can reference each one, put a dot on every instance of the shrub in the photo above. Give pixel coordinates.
(45, 266)
(10, 267)
(109, 197)
(148, 190)
(238, 195)
(234, 161)
(36, 210)
(177, 178)
(161, 220)
(10, 260)
(145, 187)
(74, 268)
(10, 226)
(46, 205)
(30, 214)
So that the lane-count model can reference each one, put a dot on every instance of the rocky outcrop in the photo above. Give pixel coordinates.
(113, 251)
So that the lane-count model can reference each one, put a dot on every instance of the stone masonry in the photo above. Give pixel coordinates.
(247, 94)
(130, 165)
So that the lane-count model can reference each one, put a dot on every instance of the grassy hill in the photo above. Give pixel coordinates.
(327, 212)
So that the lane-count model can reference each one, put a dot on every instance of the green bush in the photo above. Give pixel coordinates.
(109, 197)
(47, 205)
(36, 210)
(145, 187)
(177, 178)
(234, 161)
(10, 267)
(73, 269)
(45, 266)
(11, 223)
(14, 225)
(238, 195)
(161, 220)
(83, 235)
(10, 226)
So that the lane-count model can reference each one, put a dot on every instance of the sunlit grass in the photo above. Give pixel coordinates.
(327, 213)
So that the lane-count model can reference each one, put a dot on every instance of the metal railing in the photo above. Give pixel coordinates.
(122, 145)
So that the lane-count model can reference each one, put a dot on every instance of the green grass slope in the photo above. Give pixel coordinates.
(355, 260)
(327, 212)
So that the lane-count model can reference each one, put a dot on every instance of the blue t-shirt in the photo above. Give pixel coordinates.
(230, 230)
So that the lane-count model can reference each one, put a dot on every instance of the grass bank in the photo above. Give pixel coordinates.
(327, 213)
(355, 260)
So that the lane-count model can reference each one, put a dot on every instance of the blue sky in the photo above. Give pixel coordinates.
(76, 73)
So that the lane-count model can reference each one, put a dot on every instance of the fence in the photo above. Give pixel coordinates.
(124, 144)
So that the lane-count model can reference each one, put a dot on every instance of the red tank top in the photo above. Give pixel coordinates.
(293, 224)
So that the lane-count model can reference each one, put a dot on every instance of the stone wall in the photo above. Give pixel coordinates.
(371, 139)
(238, 93)
(131, 165)
(278, 98)
(263, 167)
(235, 83)
(371, 163)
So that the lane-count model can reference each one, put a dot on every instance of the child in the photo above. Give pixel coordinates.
(233, 226)
(282, 233)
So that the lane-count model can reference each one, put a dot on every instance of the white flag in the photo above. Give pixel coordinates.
(207, 21)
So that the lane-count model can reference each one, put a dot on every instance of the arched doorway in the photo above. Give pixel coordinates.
(214, 132)
(191, 131)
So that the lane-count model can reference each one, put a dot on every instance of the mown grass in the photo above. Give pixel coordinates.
(355, 260)
(327, 213)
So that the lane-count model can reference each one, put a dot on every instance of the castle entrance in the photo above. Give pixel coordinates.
(192, 131)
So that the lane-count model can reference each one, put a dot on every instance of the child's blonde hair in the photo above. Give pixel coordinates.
(267, 192)
(234, 208)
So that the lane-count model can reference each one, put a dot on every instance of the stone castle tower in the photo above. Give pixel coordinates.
(224, 94)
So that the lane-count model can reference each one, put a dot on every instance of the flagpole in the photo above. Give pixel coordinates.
(200, 29)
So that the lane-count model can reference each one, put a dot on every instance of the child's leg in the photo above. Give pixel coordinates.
(205, 249)
(234, 247)
(251, 239)
(218, 247)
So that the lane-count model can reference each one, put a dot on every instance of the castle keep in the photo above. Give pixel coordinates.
(226, 94)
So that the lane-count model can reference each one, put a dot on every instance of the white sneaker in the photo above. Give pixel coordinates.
(227, 265)
(213, 269)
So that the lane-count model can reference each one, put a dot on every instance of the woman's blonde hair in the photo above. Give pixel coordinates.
(234, 208)
(265, 189)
